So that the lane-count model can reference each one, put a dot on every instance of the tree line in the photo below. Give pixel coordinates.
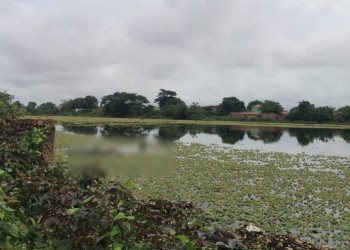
(123, 104)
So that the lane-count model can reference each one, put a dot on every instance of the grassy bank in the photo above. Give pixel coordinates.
(133, 121)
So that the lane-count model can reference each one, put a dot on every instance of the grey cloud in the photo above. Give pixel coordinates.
(205, 50)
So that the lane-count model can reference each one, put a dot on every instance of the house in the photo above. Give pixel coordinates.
(256, 108)
(256, 113)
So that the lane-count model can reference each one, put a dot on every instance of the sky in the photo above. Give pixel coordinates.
(282, 50)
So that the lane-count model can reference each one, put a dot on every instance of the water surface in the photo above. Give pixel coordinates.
(273, 139)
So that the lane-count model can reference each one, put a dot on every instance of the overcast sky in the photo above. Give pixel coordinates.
(284, 50)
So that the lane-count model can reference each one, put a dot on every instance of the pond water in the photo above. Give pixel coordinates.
(272, 139)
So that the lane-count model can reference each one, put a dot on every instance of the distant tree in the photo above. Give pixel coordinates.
(271, 107)
(8, 110)
(252, 103)
(31, 107)
(122, 104)
(18, 104)
(47, 108)
(195, 112)
(305, 111)
(231, 104)
(324, 114)
(91, 102)
(166, 97)
(345, 113)
(177, 111)
(87, 102)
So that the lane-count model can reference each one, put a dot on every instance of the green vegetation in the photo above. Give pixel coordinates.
(302, 195)
(271, 107)
(46, 207)
(122, 104)
(307, 112)
(88, 102)
(47, 108)
(231, 104)
(252, 103)
(132, 105)
(129, 121)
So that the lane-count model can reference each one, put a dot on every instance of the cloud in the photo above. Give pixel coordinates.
(205, 50)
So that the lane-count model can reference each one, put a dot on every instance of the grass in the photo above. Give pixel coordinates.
(126, 121)
(303, 195)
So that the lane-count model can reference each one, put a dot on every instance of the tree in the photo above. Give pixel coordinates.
(271, 107)
(231, 104)
(177, 111)
(31, 107)
(252, 103)
(305, 111)
(8, 110)
(166, 97)
(195, 112)
(324, 114)
(122, 104)
(345, 113)
(91, 102)
(88, 102)
(19, 104)
(47, 108)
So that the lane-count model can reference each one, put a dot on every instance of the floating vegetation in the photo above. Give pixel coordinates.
(306, 196)
(301, 195)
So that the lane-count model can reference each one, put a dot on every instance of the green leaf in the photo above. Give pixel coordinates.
(120, 203)
(208, 228)
(73, 211)
(13, 229)
(115, 231)
(191, 223)
(130, 217)
(172, 233)
(130, 185)
(3, 173)
(182, 237)
(120, 216)
(128, 226)
(89, 199)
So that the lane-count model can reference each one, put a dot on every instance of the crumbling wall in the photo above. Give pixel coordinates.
(22, 125)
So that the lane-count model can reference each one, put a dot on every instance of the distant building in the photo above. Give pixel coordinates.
(59, 107)
(213, 108)
(256, 108)
(256, 113)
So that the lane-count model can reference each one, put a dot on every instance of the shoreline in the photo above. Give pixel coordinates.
(140, 121)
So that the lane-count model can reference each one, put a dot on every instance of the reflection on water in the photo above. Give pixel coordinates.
(289, 140)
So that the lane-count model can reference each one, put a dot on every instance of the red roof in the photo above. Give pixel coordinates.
(246, 113)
